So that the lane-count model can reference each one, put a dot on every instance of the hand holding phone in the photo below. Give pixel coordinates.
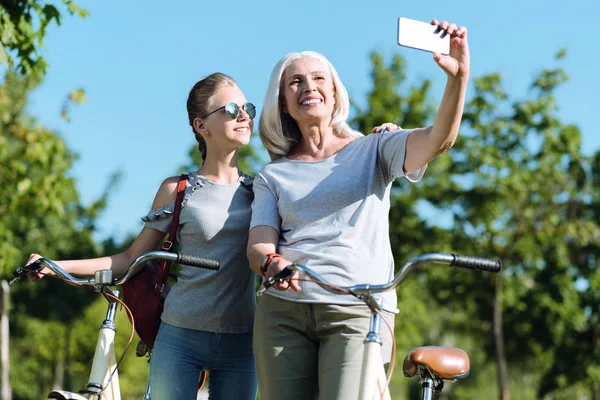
(423, 36)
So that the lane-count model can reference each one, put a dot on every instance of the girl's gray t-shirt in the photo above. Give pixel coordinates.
(213, 223)
(332, 215)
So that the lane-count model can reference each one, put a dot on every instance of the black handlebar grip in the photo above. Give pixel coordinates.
(482, 264)
(206, 263)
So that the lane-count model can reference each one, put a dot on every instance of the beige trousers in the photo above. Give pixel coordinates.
(306, 351)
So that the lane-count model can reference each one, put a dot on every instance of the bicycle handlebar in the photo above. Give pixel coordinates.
(187, 259)
(453, 260)
(481, 264)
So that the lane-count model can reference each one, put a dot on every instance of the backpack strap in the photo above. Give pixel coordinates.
(164, 266)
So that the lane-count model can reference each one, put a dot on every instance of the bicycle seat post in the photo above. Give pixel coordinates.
(427, 385)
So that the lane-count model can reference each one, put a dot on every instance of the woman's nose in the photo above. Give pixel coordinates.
(310, 86)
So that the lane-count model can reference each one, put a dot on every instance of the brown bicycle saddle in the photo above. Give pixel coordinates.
(447, 362)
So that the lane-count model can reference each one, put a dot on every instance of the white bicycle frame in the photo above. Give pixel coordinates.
(373, 380)
(101, 385)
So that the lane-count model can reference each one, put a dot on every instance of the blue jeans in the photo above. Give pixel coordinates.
(180, 354)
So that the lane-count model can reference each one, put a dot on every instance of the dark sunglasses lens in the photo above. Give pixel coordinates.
(250, 109)
(232, 110)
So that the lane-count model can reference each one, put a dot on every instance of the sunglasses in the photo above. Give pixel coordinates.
(233, 110)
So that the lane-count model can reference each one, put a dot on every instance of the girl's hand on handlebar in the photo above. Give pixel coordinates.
(276, 266)
(36, 276)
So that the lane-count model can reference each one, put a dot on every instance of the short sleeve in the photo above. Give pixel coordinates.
(160, 218)
(392, 151)
(264, 206)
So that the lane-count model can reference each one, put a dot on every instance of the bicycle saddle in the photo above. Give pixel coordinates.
(447, 362)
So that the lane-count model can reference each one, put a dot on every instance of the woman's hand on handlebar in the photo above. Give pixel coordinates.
(276, 266)
(36, 276)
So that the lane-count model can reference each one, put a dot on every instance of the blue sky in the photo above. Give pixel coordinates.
(138, 60)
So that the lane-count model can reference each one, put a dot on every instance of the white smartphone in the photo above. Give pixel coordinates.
(422, 36)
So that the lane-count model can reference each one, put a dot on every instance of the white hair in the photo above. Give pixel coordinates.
(279, 132)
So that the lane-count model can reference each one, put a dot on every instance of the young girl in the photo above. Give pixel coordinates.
(208, 315)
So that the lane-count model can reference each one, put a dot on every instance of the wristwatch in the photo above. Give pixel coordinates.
(266, 261)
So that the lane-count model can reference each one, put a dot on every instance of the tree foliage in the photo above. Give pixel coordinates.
(579, 345)
(40, 211)
(517, 188)
(23, 27)
(39, 205)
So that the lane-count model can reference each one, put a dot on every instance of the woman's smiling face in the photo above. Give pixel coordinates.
(309, 93)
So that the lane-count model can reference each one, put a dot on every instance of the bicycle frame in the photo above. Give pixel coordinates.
(373, 381)
(105, 362)
(104, 376)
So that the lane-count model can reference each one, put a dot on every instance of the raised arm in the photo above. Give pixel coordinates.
(424, 144)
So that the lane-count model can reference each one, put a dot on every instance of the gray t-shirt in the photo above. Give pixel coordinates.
(332, 215)
(213, 223)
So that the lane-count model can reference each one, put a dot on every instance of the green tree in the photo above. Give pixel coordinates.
(39, 206)
(40, 211)
(23, 26)
(579, 345)
(386, 104)
(516, 174)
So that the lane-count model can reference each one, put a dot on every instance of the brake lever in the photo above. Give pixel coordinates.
(19, 272)
(283, 275)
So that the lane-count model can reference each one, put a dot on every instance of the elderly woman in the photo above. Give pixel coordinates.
(323, 202)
